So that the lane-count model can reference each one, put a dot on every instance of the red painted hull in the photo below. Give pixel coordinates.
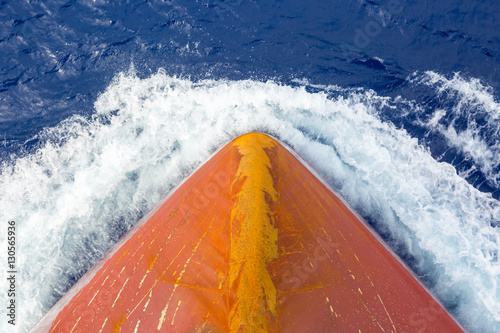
(253, 241)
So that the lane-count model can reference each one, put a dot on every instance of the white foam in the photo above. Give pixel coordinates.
(93, 175)
(476, 105)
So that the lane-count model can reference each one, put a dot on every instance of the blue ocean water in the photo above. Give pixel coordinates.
(106, 105)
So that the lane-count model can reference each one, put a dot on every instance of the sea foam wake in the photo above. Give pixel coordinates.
(93, 178)
(469, 122)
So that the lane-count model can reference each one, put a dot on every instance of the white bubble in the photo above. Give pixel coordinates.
(93, 178)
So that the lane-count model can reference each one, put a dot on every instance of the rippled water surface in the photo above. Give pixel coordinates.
(106, 106)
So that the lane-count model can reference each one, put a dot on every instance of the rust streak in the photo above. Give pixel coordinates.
(254, 237)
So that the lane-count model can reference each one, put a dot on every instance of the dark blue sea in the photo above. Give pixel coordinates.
(106, 105)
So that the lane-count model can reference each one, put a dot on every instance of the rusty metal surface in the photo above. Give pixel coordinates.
(251, 242)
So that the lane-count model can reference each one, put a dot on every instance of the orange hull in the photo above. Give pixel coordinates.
(253, 241)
